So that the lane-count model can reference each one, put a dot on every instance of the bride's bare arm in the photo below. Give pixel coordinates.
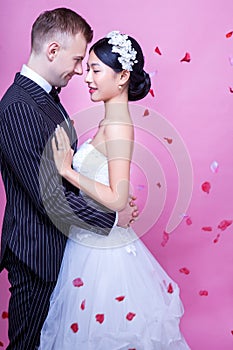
(119, 145)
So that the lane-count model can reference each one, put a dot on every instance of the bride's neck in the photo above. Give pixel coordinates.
(116, 110)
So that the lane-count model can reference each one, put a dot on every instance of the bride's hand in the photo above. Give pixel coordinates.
(62, 152)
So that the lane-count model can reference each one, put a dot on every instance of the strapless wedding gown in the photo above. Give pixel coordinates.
(111, 292)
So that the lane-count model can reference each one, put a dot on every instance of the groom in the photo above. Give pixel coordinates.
(40, 209)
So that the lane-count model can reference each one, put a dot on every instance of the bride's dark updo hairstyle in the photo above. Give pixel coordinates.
(139, 82)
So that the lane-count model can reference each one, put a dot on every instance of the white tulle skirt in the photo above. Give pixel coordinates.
(112, 295)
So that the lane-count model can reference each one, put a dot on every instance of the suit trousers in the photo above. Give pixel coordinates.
(28, 305)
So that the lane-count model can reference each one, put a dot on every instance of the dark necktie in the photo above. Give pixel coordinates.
(54, 93)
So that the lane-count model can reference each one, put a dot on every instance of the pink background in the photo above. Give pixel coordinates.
(195, 98)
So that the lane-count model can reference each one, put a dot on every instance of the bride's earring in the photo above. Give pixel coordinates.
(119, 87)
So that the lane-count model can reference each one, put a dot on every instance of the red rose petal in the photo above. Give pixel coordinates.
(146, 112)
(184, 270)
(168, 140)
(232, 332)
(83, 305)
(152, 92)
(189, 221)
(157, 50)
(170, 288)
(99, 318)
(74, 327)
(1, 343)
(224, 224)
(217, 238)
(206, 228)
(121, 298)
(4, 314)
(231, 89)
(130, 316)
(203, 293)
(229, 34)
(165, 239)
(186, 58)
(77, 282)
(206, 187)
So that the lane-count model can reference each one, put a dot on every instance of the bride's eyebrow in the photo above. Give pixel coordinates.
(93, 64)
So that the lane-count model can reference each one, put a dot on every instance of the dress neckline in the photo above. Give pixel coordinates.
(88, 142)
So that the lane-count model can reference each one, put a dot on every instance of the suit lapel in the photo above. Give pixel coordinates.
(42, 99)
(46, 104)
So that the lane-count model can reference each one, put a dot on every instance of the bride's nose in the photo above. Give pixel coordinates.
(88, 78)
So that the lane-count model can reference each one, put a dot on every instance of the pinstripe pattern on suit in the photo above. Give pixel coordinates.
(29, 294)
(28, 117)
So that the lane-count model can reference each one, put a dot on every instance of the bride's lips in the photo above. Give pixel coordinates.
(91, 90)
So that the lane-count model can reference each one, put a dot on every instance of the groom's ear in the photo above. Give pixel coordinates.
(52, 50)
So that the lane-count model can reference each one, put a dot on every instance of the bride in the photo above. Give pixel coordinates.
(111, 292)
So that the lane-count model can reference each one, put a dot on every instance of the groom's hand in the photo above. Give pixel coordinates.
(129, 214)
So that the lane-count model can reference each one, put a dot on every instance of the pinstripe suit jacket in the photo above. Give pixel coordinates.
(40, 207)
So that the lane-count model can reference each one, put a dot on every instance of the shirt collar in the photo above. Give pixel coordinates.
(31, 74)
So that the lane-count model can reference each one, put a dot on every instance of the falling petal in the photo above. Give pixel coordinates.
(186, 58)
(140, 187)
(185, 270)
(158, 184)
(157, 50)
(232, 332)
(214, 166)
(231, 90)
(229, 34)
(168, 140)
(83, 305)
(74, 327)
(130, 316)
(152, 74)
(189, 221)
(77, 282)
(203, 293)
(170, 288)
(206, 187)
(206, 228)
(146, 112)
(224, 224)
(217, 238)
(1, 343)
(152, 92)
(231, 61)
(120, 298)
(99, 318)
(4, 314)
(165, 239)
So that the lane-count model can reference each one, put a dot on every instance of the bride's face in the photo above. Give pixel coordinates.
(102, 81)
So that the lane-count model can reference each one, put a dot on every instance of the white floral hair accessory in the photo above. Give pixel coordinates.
(122, 45)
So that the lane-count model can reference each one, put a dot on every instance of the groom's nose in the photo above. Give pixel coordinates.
(78, 69)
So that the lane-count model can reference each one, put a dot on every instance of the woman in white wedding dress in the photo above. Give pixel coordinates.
(111, 293)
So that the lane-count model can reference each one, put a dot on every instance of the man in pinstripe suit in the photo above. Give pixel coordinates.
(40, 207)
